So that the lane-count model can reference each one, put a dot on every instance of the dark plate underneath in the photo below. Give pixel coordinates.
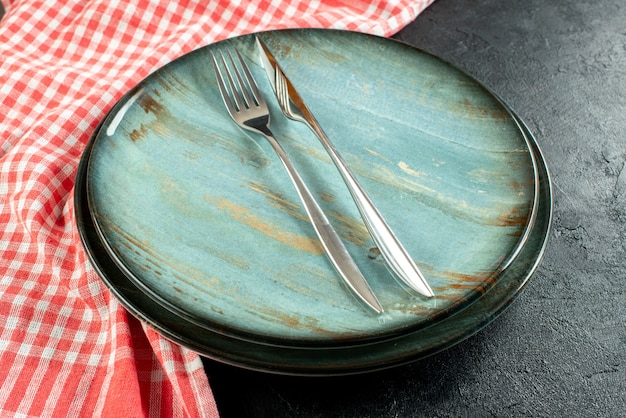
(335, 361)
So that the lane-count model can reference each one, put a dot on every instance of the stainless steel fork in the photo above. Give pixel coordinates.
(247, 107)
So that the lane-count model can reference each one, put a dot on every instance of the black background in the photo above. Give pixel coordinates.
(560, 349)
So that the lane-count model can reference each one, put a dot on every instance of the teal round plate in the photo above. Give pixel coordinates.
(203, 219)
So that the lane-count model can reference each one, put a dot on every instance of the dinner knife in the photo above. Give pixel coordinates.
(293, 106)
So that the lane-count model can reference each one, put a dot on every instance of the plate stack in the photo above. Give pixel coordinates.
(197, 230)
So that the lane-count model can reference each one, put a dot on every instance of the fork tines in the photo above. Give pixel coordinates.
(243, 97)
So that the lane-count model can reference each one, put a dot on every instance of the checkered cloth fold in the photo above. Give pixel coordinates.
(67, 347)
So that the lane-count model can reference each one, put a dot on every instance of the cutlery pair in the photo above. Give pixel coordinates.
(249, 110)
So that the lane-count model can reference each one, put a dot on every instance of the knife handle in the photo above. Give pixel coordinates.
(394, 253)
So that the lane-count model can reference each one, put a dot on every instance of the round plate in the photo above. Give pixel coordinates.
(336, 361)
(203, 218)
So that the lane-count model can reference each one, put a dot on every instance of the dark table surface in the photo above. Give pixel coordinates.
(560, 349)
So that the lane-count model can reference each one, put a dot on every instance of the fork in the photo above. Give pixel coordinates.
(248, 108)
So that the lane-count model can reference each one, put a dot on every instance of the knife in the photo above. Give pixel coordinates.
(293, 106)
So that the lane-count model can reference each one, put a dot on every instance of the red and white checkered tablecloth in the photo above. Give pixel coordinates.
(67, 347)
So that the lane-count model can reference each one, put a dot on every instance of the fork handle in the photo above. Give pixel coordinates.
(334, 247)
(394, 253)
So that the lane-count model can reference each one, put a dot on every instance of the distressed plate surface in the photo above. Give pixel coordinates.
(342, 360)
(203, 219)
